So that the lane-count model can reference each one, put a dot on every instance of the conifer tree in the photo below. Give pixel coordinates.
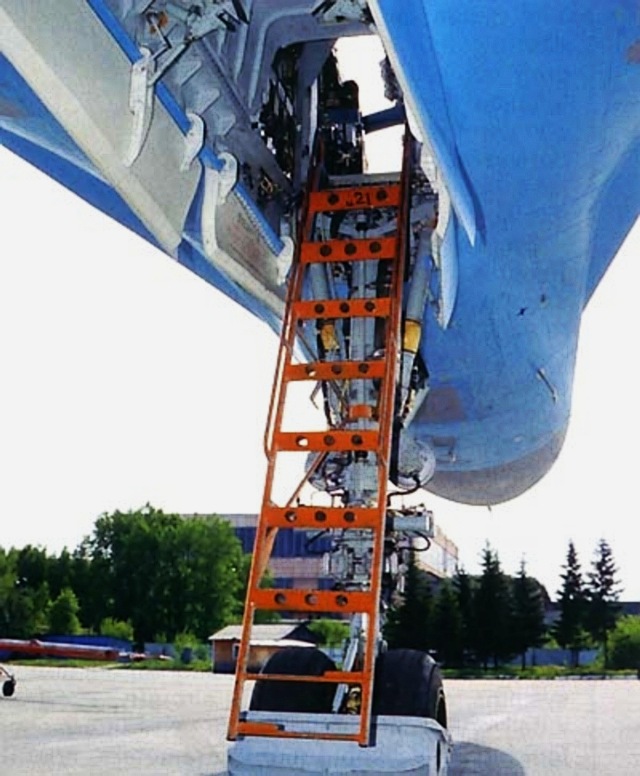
(463, 585)
(447, 626)
(492, 611)
(569, 630)
(528, 626)
(409, 624)
(603, 591)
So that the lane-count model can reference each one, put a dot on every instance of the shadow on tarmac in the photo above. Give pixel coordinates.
(475, 760)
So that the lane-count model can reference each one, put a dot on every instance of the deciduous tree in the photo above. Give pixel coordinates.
(330, 632)
(624, 643)
(164, 573)
(116, 629)
(63, 614)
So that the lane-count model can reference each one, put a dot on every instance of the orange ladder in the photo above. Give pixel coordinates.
(349, 437)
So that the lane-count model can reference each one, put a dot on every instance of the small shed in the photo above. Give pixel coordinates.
(265, 640)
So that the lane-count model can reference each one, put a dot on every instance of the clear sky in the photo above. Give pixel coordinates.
(125, 379)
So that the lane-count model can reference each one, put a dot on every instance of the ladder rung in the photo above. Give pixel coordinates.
(348, 250)
(320, 441)
(342, 308)
(273, 730)
(361, 412)
(325, 517)
(355, 198)
(364, 179)
(336, 370)
(330, 677)
(275, 599)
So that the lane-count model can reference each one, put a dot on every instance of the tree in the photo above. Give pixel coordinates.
(624, 643)
(528, 626)
(330, 632)
(116, 629)
(409, 623)
(63, 614)
(60, 572)
(260, 616)
(23, 606)
(203, 558)
(163, 573)
(447, 626)
(32, 566)
(464, 587)
(569, 630)
(91, 582)
(603, 591)
(492, 611)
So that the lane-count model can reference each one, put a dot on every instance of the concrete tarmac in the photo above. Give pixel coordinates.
(545, 728)
(99, 721)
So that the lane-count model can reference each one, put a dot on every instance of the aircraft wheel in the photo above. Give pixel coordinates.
(408, 683)
(295, 696)
(8, 688)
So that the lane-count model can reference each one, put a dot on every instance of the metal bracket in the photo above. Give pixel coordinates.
(200, 20)
(354, 647)
(193, 141)
(228, 176)
(337, 11)
(416, 521)
(144, 77)
(218, 184)
(284, 259)
(140, 104)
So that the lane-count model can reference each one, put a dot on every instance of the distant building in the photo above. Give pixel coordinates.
(629, 608)
(296, 560)
(552, 611)
(265, 640)
(442, 557)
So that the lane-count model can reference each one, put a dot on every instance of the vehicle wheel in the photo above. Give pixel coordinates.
(8, 688)
(295, 696)
(408, 683)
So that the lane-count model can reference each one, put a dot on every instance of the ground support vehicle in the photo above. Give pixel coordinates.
(405, 746)
(8, 682)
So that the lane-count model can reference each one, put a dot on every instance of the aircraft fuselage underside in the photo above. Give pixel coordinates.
(193, 124)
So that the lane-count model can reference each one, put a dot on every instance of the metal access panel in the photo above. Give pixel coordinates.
(404, 746)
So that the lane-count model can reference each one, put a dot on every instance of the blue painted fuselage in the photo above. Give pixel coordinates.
(535, 106)
(532, 110)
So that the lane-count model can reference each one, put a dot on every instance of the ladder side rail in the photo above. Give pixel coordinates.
(265, 535)
(386, 422)
(288, 330)
(394, 322)
(285, 347)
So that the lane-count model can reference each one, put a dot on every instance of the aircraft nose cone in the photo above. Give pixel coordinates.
(497, 484)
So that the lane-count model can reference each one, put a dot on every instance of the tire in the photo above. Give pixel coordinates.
(295, 696)
(408, 683)
(8, 688)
